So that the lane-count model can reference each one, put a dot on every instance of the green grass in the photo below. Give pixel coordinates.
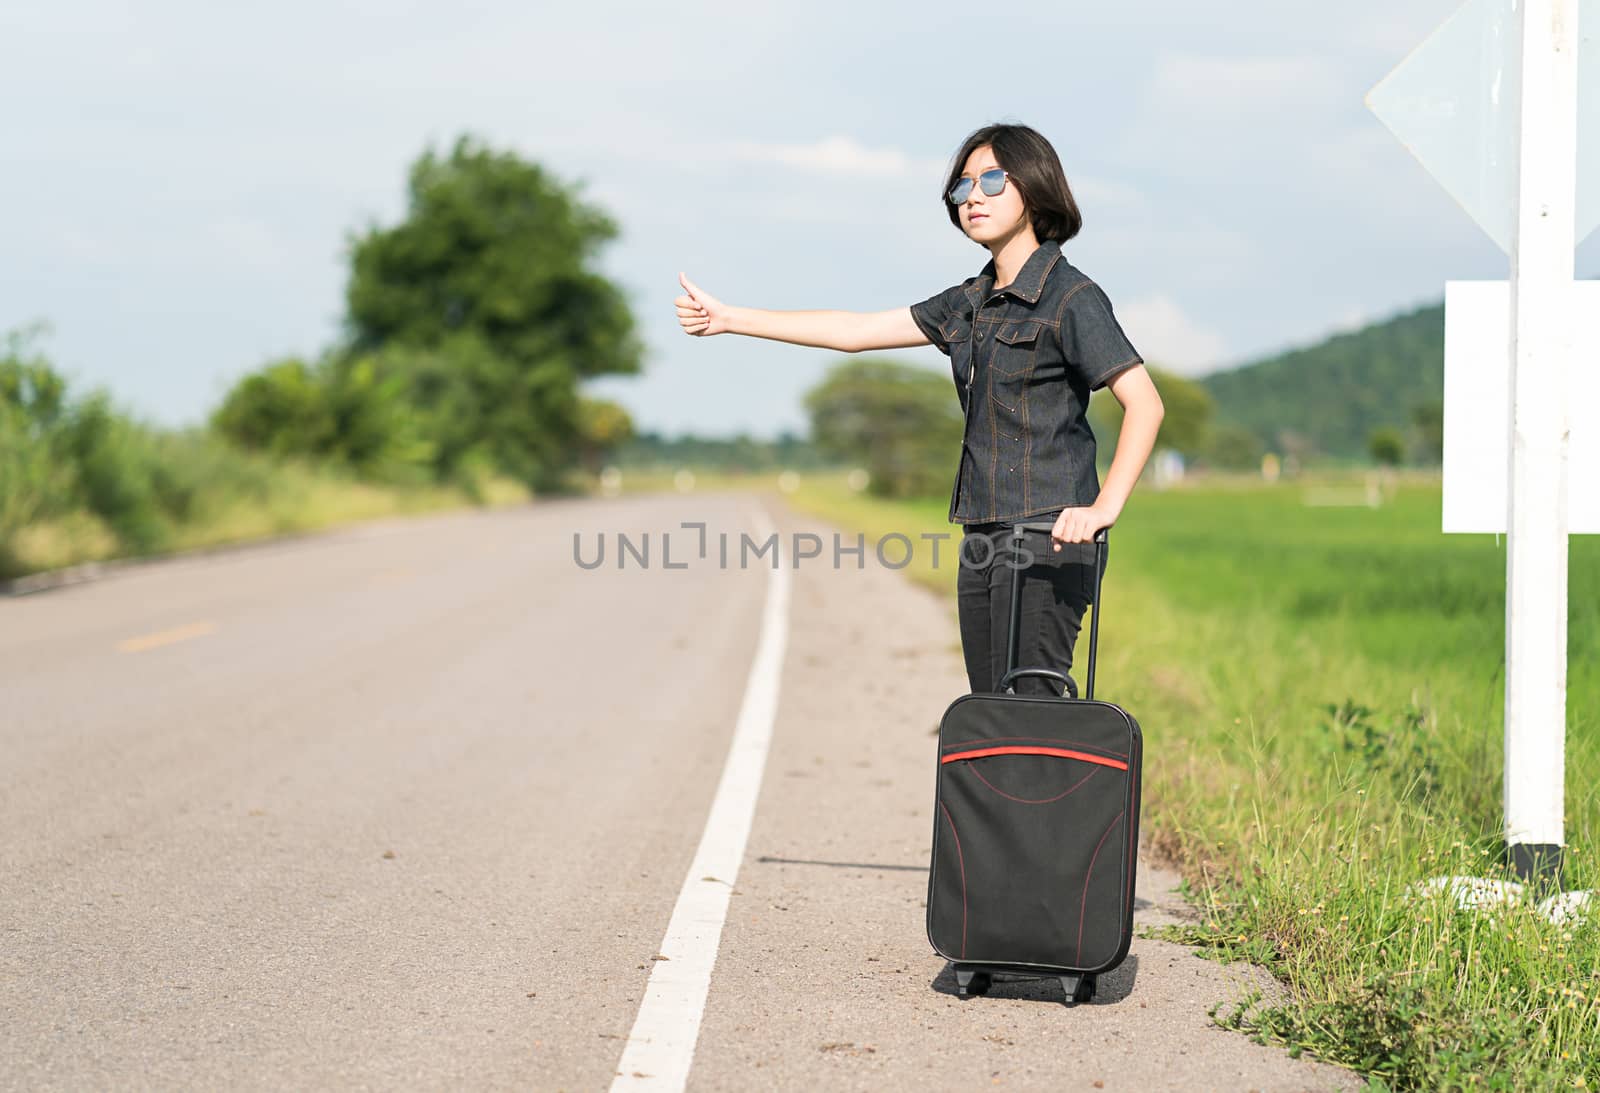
(1320, 691)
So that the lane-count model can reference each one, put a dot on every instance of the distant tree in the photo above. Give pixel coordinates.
(495, 261)
(791, 448)
(897, 420)
(740, 453)
(1183, 428)
(1427, 423)
(603, 426)
(1234, 448)
(794, 451)
(1386, 445)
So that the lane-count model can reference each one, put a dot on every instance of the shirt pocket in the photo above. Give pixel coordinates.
(957, 328)
(1015, 344)
(957, 331)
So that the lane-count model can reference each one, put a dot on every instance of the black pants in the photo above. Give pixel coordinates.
(1056, 590)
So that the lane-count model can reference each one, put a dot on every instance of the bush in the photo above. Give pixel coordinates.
(349, 410)
(78, 459)
(115, 466)
(31, 399)
(280, 410)
(194, 473)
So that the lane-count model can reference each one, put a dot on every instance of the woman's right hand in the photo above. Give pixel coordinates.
(699, 312)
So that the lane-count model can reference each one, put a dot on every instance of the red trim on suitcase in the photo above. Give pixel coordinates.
(1083, 906)
(1053, 741)
(1064, 753)
(962, 862)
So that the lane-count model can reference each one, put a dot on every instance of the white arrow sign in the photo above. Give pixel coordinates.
(1453, 103)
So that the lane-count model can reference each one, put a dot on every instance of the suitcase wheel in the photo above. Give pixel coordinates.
(1077, 988)
(970, 984)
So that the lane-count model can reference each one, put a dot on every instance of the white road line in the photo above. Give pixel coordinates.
(661, 1046)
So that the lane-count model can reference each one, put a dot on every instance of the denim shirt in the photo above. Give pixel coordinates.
(1024, 360)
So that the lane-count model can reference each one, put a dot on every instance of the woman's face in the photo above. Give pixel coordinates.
(989, 220)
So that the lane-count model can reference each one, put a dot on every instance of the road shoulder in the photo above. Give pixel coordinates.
(825, 973)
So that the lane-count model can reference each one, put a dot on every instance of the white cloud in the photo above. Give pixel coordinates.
(840, 154)
(906, 179)
(1226, 88)
(1168, 338)
(1099, 192)
(1234, 118)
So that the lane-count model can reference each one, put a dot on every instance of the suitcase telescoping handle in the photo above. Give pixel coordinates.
(1101, 543)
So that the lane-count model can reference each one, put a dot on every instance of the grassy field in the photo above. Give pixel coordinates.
(1320, 690)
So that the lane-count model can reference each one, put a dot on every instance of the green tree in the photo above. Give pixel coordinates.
(604, 426)
(1386, 445)
(898, 420)
(376, 430)
(1234, 448)
(1427, 421)
(789, 451)
(494, 260)
(1184, 426)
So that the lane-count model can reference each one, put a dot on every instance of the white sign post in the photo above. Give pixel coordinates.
(1490, 104)
(1541, 350)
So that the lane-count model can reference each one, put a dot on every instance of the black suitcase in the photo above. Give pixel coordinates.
(1036, 826)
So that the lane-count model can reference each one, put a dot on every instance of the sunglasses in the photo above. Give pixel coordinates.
(992, 181)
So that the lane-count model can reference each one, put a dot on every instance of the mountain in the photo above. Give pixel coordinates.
(1328, 398)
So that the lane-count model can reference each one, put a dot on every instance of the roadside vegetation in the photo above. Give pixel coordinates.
(470, 327)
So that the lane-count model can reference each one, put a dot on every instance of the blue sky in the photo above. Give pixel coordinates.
(178, 178)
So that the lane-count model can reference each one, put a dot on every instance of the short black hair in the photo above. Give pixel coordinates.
(1031, 164)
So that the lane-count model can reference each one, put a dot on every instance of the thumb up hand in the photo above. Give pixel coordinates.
(699, 312)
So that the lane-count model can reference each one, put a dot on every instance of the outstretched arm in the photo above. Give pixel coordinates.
(700, 314)
(1142, 412)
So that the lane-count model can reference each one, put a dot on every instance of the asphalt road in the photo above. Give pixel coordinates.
(409, 806)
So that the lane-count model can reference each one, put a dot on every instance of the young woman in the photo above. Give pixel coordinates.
(1028, 338)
